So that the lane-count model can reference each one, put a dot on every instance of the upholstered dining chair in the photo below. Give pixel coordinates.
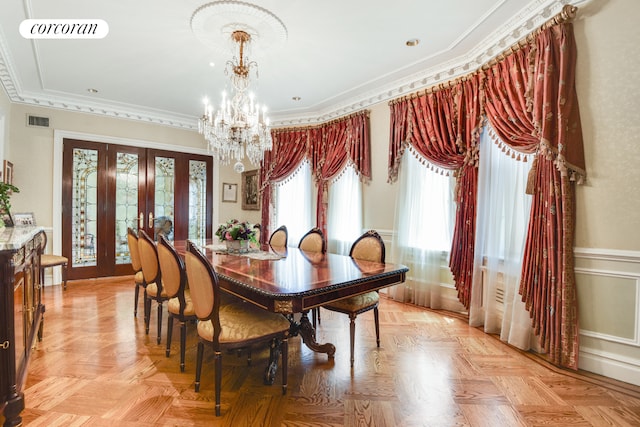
(228, 326)
(52, 260)
(153, 277)
(313, 241)
(279, 237)
(174, 283)
(134, 255)
(367, 247)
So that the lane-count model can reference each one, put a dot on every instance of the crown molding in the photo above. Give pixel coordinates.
(528, 20)
(531, 18)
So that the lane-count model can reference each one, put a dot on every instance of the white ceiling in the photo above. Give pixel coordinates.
(339, 56)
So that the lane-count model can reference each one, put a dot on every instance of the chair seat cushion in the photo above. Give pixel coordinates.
(49, 260)
(174, 305)
(355, 303)
(139, 278)
(152, 291)
(243, 322)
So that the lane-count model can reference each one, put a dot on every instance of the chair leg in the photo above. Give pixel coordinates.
(376, 318)
(159, 321)
(147, 313)
(64, 276)
(183, 344)
(352, 331)
(145, 309)
(169, 334)
(284, 349)
(218, 380)
(199, 355)
(135, 300)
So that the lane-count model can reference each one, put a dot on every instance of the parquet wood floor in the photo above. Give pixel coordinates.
(96, 367)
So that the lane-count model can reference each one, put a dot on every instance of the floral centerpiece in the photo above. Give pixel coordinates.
(236, 235)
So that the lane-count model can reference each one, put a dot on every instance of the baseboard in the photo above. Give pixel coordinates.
(610, 365)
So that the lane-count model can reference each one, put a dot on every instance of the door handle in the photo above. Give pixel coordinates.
(141, 221)
(150, 220)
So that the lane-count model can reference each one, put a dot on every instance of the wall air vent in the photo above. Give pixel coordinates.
(37, 121)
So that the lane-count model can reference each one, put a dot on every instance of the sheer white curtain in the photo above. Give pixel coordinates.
(294, 202)
(423, 230)
(344, 216)
(501, 227)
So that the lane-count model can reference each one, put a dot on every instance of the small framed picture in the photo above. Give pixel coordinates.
(24, 218)
(229, 192)
(8, 172)
(250, 199)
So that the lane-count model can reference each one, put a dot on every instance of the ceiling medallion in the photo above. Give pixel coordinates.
(214, 23)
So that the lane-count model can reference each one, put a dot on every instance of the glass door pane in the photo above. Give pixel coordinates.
(197, 199)
(127, 194)
(164, 196)
(84, 207)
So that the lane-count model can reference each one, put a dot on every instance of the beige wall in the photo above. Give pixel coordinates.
(5, 119)
(230, 210)
(31, 149)
(608, 205)
(608, 76)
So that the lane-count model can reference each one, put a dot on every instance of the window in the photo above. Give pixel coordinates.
(425, 208)
(344, 216)
(294, 203)
(425, 212)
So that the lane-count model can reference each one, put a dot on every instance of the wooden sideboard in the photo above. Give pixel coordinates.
(21, 313)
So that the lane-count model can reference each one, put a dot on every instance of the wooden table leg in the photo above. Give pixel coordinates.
(308, 334)
(305, 329)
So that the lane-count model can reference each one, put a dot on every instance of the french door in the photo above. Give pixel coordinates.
(108, 188)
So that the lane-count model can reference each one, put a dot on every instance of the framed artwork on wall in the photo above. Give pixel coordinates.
(8, 172)
(250, 200)
(229, 192)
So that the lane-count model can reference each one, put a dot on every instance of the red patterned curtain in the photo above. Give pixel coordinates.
(532, 104)
(443, 127)
(530, 99)
(290, 148)
(343, 141)
(329, 147)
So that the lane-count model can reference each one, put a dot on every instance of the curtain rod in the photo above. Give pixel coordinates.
(567, 14)
(320, 125)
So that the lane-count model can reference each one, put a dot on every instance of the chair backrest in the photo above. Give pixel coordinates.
(134, 252)
(204, 288)
(149, 260)
(313, 241)
(174, 277)
(43, 242)
(279, 237)
(368, 247)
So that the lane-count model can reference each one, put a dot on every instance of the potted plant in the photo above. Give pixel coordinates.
(236, 235)
(6, 190)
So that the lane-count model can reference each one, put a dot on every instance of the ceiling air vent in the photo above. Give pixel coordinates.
(37, 121)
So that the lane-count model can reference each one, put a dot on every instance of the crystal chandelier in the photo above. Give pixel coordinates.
(240, 125)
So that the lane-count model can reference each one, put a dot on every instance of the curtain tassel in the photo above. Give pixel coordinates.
(531, 178)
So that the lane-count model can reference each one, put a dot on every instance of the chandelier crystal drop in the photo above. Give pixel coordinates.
(240, 126)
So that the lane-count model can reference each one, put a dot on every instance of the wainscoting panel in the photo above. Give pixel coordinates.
(608, 287)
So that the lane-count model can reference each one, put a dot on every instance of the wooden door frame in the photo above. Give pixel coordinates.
(56, 208)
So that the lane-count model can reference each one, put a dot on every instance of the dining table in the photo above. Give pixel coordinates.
(290, 281)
